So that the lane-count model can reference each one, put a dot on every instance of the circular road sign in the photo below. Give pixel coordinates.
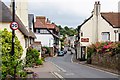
(14, 25)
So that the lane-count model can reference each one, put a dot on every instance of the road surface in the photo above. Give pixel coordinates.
(68, 69)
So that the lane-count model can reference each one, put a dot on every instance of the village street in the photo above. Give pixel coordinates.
(57, 40)
(63, 67)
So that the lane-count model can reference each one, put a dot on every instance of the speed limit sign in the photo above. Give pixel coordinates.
(14, 25)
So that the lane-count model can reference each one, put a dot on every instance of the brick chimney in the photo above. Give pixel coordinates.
(97, 6)
(41, 19)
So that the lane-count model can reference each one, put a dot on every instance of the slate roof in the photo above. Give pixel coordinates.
(32, 34)
(6, 16)
(31, 20)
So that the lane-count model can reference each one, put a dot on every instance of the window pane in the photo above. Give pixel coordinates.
(105, 36)
(43, 31)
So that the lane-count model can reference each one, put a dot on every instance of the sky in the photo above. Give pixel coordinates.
(69, 13)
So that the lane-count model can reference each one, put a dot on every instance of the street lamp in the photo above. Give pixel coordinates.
(115, 31)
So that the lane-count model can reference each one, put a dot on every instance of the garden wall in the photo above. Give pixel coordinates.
(106, 61)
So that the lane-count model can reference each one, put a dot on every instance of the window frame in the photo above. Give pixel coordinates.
(108, 36)
(44, 31)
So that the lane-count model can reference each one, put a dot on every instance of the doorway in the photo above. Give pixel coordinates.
(83, 53)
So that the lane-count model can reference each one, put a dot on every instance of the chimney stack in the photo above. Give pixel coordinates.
(97, 8)
(41, 19)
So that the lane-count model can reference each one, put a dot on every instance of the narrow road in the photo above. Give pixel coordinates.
(69, 69)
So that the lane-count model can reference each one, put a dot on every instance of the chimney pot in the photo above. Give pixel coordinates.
(98, 2)
(95, 2)
(97, 8)
(41, 18)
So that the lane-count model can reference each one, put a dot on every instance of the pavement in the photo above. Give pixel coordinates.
(46, 71)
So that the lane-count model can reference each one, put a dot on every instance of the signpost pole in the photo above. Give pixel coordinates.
(13, 31)
(14, 26)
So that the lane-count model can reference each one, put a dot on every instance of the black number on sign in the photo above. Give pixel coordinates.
(14, 25)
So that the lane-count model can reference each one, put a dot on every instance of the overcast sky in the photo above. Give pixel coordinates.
(69, 13)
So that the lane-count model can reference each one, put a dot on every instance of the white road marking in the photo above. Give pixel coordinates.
(63, 70)
(58, 75)
(69, 74)
(72, 59)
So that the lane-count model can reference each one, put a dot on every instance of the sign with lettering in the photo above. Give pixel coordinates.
(84, 39)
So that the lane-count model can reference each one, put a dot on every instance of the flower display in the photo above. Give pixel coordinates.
(104, 54)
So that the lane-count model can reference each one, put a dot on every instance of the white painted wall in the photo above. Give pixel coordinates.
(19, 35)
(94, 27)
(46, 39)
(106, 27)
(22, 11)
(89, 31)
(72, 39)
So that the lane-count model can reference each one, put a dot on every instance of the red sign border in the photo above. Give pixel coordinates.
(11, 25)
(84, 39)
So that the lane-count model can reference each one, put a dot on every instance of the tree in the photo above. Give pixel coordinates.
(67, 31)
(11, 65)
(66, 28)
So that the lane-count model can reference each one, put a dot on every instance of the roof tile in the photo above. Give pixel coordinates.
(112, 18)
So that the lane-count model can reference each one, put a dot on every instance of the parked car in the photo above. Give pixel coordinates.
(60, 53)
(65, 51)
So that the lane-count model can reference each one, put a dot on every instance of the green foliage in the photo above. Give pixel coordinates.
(39, 62)
(48, 51)
(110, 48)
(42, 58)
(90, 52)
(62, 41)
(67, 31)
(104, 54)
(32, 57)
(116, 50)
(10, 63)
